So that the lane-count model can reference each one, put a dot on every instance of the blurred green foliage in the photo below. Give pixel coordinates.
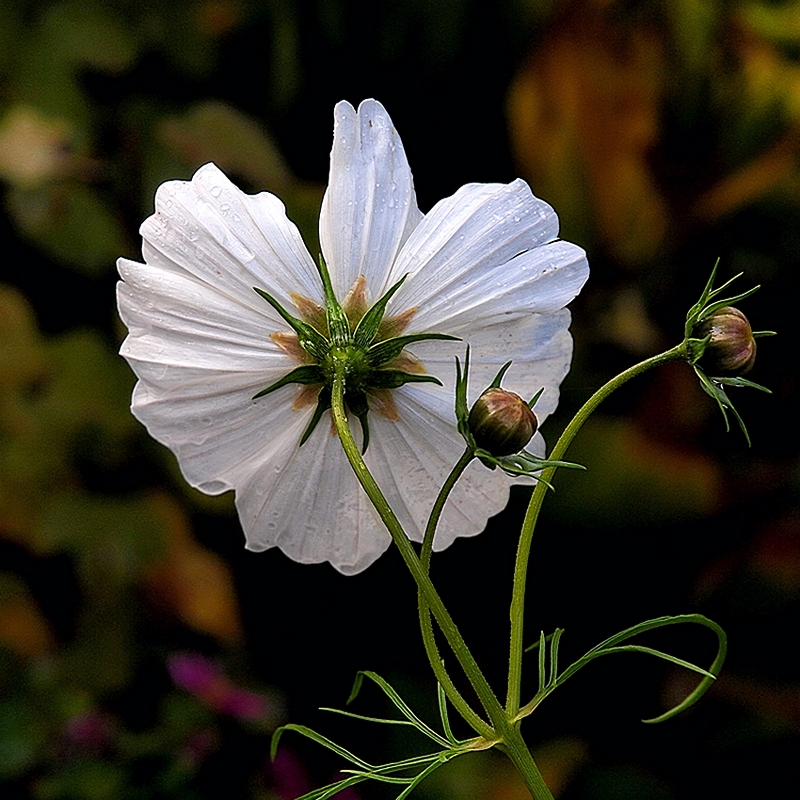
(664, 132)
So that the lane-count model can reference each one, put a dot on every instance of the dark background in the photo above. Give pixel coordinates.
(664, 134)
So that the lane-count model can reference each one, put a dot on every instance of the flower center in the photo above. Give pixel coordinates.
(352, 361)
(351, 340)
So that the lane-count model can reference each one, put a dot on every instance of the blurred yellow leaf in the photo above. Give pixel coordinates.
(71, 222)
(88, 32)
(583, 115)
(215, 131)
(33, 146)
(61, 400)
(194, 582)
(777, 22)
(23, 629)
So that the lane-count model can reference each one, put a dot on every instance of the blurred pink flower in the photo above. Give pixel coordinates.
(201, 677)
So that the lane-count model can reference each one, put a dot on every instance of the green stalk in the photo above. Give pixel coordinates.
(534, 507)
(426, 624)
(403, 543)
(503, 730)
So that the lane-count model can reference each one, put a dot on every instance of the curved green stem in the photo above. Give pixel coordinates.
(505, 732)
(403, 543)
(534, 507)
(426, 624)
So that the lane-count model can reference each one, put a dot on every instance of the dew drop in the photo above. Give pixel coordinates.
(216, 191)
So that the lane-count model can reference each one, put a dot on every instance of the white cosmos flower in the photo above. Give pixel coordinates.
(484, 265)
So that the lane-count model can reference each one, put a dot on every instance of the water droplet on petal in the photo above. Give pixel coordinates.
(216, 191)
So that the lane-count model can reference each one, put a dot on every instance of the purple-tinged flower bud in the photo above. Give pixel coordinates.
(501, 422)
(731, 349)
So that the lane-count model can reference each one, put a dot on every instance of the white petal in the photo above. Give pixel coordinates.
(214, 427)
(176, 322)
(539, 345)
(210, 229)
(489, 249)
(370, 207)
(411, 459)
(307, 502)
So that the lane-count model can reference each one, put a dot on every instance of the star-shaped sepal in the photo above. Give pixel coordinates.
(360, 344)
(718, 336)
(499, 425)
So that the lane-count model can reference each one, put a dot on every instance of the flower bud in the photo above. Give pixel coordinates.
(731, 348)
(501, 422)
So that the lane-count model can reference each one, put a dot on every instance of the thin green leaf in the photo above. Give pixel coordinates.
(661, 622)
(334, 788)
(395, 378)
(554, 643)
(728, 301)
(398, 701)
(365, 718)
(319, 739)
(691, 316)
(637, 648)
(542, 660)
(418, 779)
(742, 382)
(444, 715)
(323, 404)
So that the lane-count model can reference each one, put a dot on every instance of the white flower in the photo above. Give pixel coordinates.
(483, 265)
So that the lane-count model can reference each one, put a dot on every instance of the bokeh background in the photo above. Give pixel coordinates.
(143, 652)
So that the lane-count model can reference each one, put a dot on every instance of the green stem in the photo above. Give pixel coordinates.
(425, 622)
(515, 748)
(403, 543)
(535, 505)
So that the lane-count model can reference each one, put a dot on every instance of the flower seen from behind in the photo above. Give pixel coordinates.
(232, 379)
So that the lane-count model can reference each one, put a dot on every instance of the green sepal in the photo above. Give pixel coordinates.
(535, 399)
(367, 328)
(495, 384)
(743, 382)
(704, 307)
(323, 404)
(306, 375)
(695, 348)
(523, 463)
(713, 388)
(310, 339)
(462, 408)
(338, 324)
(383, 352)
(357, 404)
(395, 378)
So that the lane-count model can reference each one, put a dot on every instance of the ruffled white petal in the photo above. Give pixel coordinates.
(411, 459)
(176, 322)
(539, 345)
(488, 250)
(370, 207)
(307, 502)
(210, 229)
